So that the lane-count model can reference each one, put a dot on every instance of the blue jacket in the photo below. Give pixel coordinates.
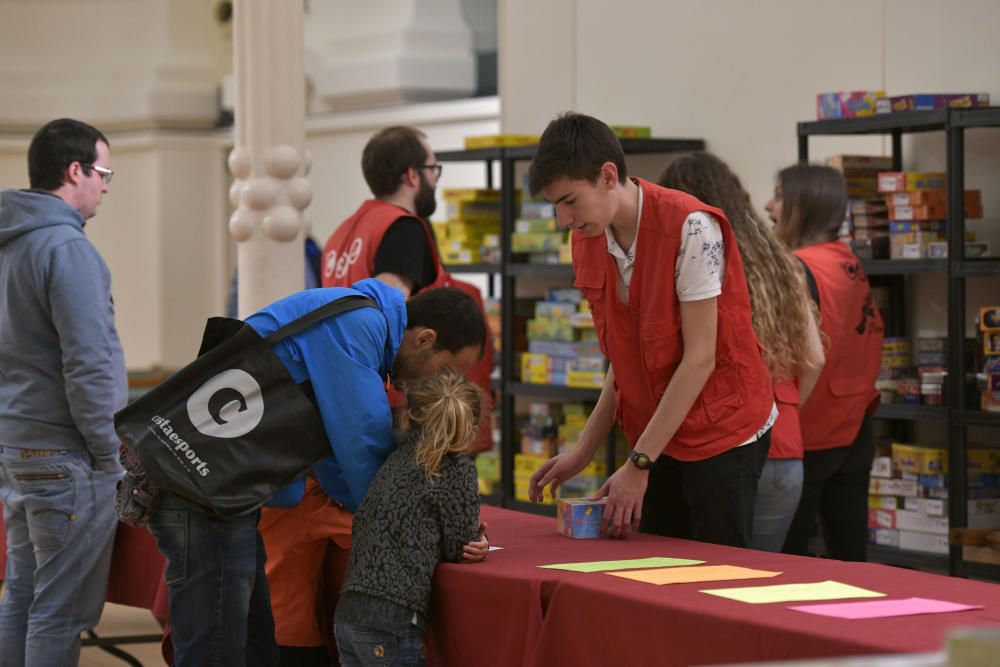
(62, 371)
(347, 358)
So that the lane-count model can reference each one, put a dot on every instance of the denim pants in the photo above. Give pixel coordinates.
(778, 493)
(367, 647)
(220, 609)
(60, 518)
(711, 500)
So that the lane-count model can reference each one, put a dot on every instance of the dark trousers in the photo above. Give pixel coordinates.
(710, 500)
(220, 608)
(835, 487)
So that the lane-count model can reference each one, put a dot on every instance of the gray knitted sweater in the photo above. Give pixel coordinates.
(405, 526)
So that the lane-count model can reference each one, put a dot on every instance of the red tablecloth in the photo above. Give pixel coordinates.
(136, 569)
(508, 611)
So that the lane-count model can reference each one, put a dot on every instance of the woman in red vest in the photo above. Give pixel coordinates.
(808, 208)
(784, 323)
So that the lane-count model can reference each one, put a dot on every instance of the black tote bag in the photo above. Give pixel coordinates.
(231, 428)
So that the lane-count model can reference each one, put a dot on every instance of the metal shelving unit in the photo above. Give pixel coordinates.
(956, 268)
(508, 272)
(904, 412)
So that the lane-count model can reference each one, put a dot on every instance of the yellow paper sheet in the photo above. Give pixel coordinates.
(820, 590)
(687, 575)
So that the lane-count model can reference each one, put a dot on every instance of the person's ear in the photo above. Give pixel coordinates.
(74, 173)
(609, 175)
(410, 178)
(426, 338)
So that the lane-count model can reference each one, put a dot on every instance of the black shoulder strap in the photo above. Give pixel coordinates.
(810, 282)
(336, 307)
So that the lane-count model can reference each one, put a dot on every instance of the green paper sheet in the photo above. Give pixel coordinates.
(820, 590)
(633, 564)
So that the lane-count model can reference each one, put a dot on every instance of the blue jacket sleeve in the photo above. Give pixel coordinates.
(350, 392)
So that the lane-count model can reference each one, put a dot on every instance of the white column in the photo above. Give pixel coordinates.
(268, 162)
(385, 52)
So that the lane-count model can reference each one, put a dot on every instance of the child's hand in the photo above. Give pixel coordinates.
(473, 552)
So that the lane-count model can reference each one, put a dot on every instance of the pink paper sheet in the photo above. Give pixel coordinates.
(884, 608)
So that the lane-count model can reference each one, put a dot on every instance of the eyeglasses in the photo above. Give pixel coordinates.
(436, 168)
(106, 174)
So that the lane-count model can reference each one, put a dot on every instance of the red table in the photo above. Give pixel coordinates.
(507, 611)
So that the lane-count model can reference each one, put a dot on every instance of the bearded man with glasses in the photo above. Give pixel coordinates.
(62, 378)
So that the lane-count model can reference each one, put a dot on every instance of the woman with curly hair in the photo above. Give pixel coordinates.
(784, 323)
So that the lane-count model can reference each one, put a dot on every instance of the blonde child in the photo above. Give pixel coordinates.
(422, 507)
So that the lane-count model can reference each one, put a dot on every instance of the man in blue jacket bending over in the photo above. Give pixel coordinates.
(219, 603)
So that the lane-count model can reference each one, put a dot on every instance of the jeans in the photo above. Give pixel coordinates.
(60, 518)
(365, 647)
(778, 493)
(835, 486)
(710, 500)
(220, 610)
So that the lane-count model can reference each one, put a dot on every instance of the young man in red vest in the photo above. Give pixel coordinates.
(387, 238)
(686, 381)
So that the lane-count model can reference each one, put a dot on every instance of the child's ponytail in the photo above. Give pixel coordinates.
(444, 412)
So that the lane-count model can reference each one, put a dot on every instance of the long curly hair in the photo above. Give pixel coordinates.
(443, 414)
(779, 299)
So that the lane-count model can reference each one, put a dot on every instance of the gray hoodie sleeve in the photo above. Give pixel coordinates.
(79, 291)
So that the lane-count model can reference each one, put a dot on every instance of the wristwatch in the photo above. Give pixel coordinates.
(641, 461)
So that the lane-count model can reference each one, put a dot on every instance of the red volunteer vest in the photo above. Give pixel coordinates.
(786, 434)
(643, 338)
(349, 256)
(845, 391)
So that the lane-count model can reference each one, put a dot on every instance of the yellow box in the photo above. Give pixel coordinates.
(535, 368)
(525, 466)
(632, 131)
(920, 460)
(470, 194)
(585, 379)
(983, 460)
(465, 256)
(500, 140)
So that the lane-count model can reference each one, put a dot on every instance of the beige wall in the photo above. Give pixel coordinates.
(162, 226)
(739, 73)
(742, 73)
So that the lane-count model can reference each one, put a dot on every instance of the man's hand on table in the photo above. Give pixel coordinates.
(625, 490)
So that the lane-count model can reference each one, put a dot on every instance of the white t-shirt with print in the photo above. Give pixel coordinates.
(698, 271)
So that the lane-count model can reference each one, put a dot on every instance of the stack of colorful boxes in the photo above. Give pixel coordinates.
(908, 496)
(989, 331)
(866, 226)
(471, 233)
(562, 344)
(917, 210)
(537, 238)
(550, 428)
(900, 382)
(931, 360)
(896, 364)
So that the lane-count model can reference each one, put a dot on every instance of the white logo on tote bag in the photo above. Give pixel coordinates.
(227, 406)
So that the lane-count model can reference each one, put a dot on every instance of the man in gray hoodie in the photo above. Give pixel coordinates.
(62, 377)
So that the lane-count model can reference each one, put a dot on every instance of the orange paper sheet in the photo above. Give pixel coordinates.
(687, 575)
